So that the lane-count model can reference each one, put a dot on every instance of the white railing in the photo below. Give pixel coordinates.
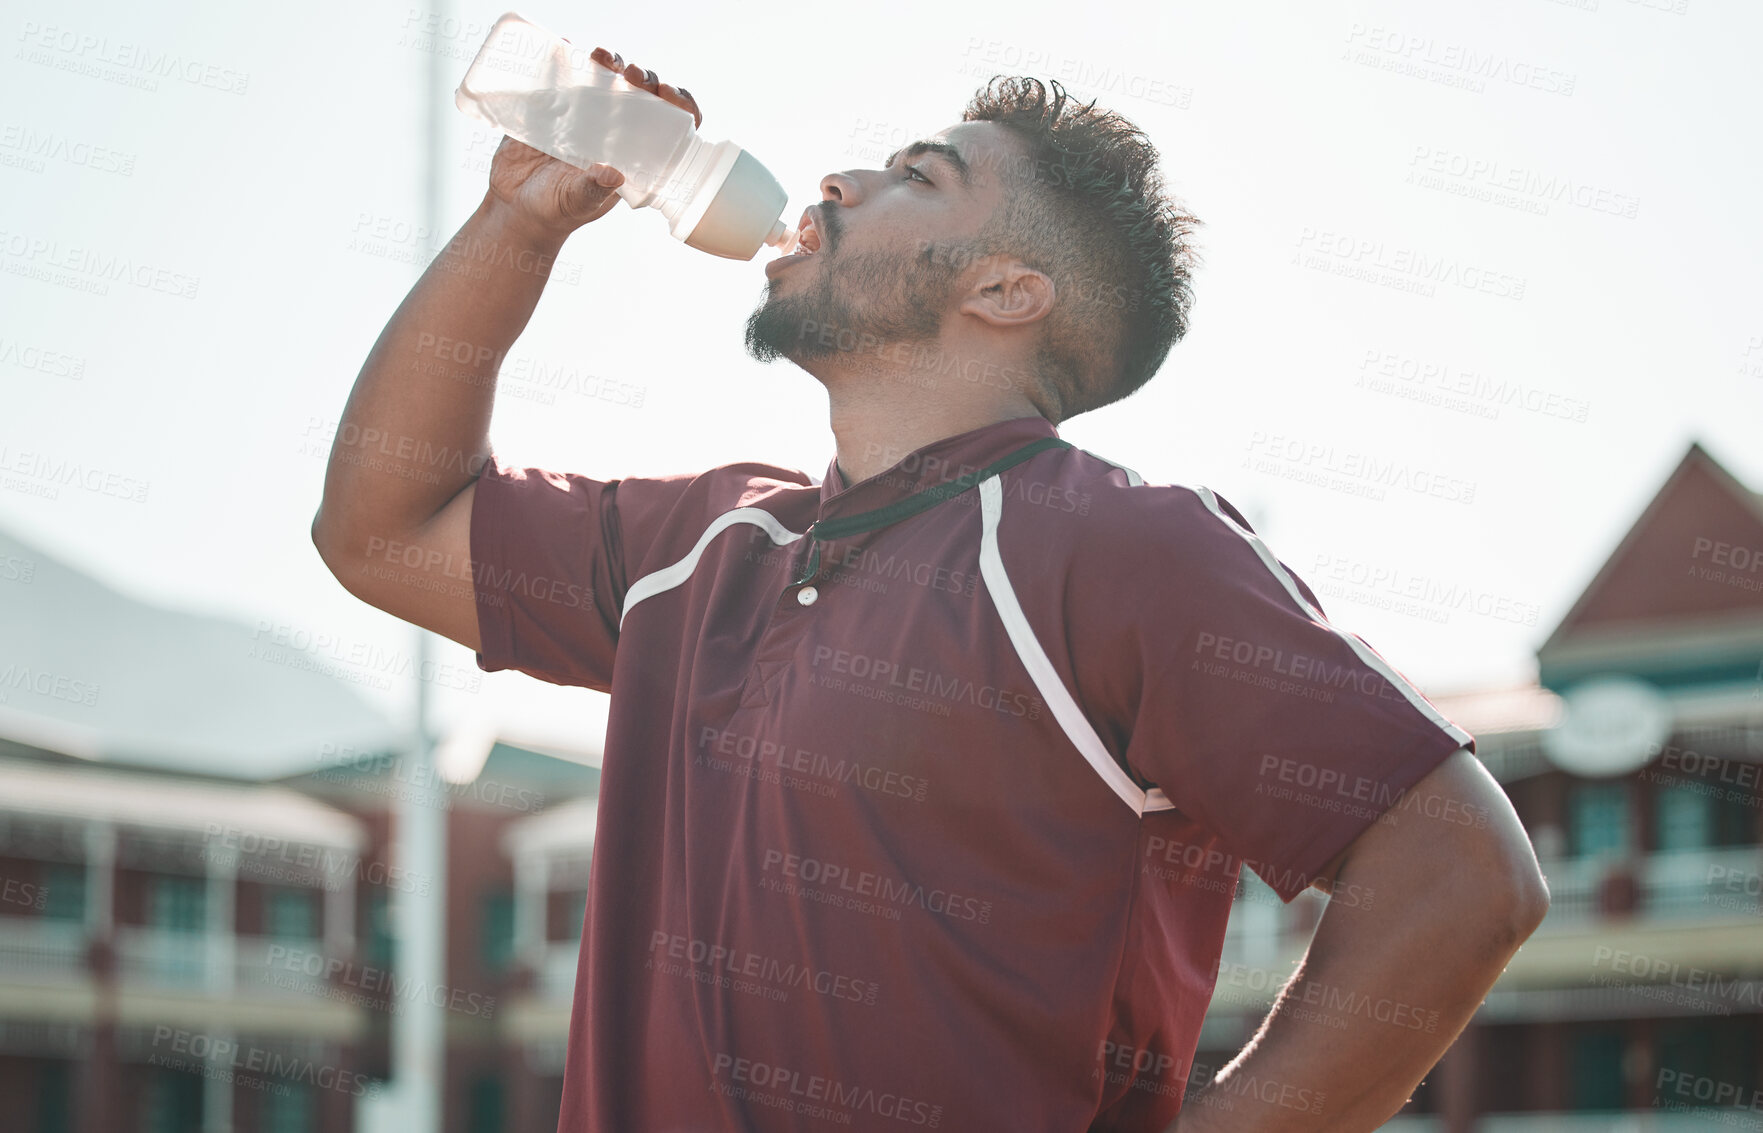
(273, 966)
(1634, 1121)
(1700, 883)
(1712, 884)
(1630, 1121)
(37, 948)
(162, 957)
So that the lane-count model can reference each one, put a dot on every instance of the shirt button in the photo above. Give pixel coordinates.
(807, 595)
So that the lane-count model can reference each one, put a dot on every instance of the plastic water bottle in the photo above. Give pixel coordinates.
(534, 86)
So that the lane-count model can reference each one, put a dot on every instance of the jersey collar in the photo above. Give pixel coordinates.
(939, 462)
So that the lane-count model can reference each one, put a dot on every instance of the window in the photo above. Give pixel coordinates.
(577, 916)
(54, 1097)
(290, 914)
(1598, 819)
(172, 1103)
(379, 930)
(1596, 1081)
(177, 904)
(484, 1106)
(287, 1108)
(64, 892)
(496, 930)
(1685, 814)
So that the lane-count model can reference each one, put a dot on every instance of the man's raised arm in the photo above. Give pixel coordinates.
(395, 522)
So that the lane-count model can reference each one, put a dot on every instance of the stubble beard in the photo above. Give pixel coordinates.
(903, 305)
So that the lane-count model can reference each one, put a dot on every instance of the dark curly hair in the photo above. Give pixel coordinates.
(1088, 206)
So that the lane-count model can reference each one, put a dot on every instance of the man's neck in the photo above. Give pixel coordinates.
(871, 438)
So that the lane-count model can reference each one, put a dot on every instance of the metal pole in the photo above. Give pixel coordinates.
(420, 896)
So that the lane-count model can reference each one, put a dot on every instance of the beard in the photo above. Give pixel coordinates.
(902, 300)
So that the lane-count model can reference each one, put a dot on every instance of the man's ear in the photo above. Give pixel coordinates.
(1008, 293)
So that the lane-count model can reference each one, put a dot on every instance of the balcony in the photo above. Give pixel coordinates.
(1680, 885)
(38, 950)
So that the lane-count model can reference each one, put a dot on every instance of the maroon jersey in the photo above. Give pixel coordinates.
(924, 799)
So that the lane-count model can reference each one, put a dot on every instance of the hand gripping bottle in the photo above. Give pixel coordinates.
(545, 92)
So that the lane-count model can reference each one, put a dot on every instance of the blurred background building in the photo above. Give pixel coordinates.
(1636, 764)
(196, 876)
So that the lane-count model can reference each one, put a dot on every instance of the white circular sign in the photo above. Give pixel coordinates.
(1609, 726)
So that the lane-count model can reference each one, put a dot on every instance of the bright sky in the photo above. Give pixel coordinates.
(1475, 278)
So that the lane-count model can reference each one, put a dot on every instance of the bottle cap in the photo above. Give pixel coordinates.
(740, 203)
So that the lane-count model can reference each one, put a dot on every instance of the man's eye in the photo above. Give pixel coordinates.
(913, 169)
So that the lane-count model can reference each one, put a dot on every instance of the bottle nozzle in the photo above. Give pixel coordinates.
(783, 238)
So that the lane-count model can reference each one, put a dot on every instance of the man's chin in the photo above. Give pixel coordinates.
(779, 330)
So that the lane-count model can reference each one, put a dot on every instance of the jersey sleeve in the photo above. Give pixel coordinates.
(551, 560)
(1284, 733)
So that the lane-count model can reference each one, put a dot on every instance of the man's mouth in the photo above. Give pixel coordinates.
(808, 240)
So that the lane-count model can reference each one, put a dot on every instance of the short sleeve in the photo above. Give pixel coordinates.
(1280, 731)
(550, 564)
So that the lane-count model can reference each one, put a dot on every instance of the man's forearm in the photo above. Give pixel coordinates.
(1356, 1028)
(1391, 978)
(415, 430)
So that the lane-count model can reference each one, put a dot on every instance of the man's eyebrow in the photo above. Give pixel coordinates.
(943, 150)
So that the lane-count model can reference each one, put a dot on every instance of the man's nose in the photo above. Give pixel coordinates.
(841, 187)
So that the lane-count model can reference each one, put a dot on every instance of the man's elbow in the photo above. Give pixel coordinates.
(333, 544)
(1516, 897)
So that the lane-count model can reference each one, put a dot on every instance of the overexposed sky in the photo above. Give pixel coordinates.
(1474, 279)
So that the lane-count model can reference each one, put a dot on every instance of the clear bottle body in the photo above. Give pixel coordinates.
(534, 86)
